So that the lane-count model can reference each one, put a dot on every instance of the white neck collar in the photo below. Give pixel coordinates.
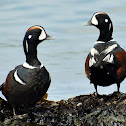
(26, 65)
(97, 42)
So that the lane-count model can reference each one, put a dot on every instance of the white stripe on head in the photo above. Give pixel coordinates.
(17, 78)
(109, 26)
(26, 46)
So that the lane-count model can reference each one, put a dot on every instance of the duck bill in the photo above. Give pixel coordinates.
(48, 37)
(87, 24)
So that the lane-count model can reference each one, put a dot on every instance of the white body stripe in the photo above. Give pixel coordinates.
(109, 49)
(17, 78)
(94, 52)
(2, 96)
(26, 65)
(91, 61)
(109, 58)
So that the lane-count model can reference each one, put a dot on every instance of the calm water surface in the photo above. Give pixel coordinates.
(63, 57)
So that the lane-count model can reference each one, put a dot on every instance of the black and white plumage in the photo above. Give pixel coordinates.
(106, 62)
(27, 83)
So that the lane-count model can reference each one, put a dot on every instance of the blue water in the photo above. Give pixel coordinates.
(63, 57)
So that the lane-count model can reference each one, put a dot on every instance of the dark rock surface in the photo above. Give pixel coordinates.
(83, 110)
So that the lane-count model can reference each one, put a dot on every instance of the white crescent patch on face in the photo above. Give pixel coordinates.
(42, 36)
(94, 20)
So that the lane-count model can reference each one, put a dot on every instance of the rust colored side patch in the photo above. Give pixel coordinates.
(87, 67)
(6, 87)
(121, 56)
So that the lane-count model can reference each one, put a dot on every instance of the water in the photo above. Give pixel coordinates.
(63, 57)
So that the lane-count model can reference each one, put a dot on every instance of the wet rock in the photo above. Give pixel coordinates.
(83, 110)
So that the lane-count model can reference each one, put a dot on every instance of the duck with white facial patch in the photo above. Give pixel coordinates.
(106, 63)
(27, 84)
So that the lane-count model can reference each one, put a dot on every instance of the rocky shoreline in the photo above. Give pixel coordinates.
(83, 110)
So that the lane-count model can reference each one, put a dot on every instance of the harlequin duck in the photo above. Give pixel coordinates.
(106, 62)
(27, 83)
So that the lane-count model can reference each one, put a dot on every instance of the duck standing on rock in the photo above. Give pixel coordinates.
(26, 84)
(106, 62)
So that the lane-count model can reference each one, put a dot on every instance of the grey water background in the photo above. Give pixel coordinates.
(65, 56)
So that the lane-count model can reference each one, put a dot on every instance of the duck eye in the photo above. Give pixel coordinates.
(30, 36)
(106, 20)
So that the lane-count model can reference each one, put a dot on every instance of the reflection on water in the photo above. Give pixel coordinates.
(63, 57)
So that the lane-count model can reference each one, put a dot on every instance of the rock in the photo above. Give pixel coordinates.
(87, 110)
